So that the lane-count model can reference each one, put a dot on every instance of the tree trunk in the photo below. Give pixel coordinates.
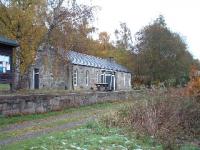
(17, 69)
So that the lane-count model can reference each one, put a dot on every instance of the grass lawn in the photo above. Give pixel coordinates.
(77, 114)
(93, 136)
(4, 87)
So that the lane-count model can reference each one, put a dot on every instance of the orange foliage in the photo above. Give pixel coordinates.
(193, 87)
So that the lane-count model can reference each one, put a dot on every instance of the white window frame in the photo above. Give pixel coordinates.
(75, 77)
(129, 82)
(104, 77)
(124, 79)
(97, 77)
(108, 75)
(114, 88)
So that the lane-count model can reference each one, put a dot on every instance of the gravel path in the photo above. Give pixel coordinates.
(30, 129)
(26, 124)
(80, 119)
(33, 134)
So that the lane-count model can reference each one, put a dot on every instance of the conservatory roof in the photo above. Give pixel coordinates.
(92, 61)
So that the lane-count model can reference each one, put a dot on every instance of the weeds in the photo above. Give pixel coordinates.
(172, 120)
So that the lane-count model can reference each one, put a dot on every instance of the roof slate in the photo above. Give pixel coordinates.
(8, 42)
(92, 61)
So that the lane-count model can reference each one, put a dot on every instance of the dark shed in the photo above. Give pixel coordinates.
(6, 60)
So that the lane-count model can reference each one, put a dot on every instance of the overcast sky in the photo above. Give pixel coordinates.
(182, 16)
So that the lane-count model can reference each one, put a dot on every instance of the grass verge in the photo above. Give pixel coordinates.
(92, 136)
(4, 87)
(4, 121)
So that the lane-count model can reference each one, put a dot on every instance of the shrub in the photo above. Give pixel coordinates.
(193, 86)
(171, 120)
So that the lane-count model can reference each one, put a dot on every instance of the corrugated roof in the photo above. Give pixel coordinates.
(8, 42)
(92, 61)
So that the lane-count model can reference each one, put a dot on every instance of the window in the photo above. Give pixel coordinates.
(4, 64)
(36, 78)
(75, 77)
(124, 80)
(87, 77)
(97, 75)
(102, 78)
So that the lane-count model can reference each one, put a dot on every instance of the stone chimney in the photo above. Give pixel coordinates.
(111, 59)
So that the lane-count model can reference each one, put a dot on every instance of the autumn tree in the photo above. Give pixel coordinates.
(161, 53)
(193, 87)
(123, 37)
(104, 39)
(68, 24)
(21, 20)
(47, 23)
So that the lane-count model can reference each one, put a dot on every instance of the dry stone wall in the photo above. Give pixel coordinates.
(30, 104)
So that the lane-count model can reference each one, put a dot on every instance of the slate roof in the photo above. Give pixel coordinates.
(92, 61)
(8, 42)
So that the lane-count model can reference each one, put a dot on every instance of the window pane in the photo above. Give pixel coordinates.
(87, 77)
(4, 64)
(75, 77)
(102, 78)
(124, 80)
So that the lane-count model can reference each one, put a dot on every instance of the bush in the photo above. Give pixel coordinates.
(171, 120)
(193, 86)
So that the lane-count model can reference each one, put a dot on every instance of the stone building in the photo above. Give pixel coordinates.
(76, 71)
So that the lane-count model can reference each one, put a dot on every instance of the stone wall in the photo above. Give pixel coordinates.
(123, 79)
(53, 71)
(30, 104)
(92, 77)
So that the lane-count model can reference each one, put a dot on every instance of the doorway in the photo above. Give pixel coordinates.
(110, 79)
(36, 78)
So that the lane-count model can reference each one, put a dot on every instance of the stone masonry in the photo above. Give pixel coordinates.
(30, 104)
(123, 79)
(56, 72)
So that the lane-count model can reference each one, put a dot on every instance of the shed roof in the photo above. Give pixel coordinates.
(9, 42)
(92, 61)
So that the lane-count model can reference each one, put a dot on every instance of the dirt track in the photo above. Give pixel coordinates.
(35, 128)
